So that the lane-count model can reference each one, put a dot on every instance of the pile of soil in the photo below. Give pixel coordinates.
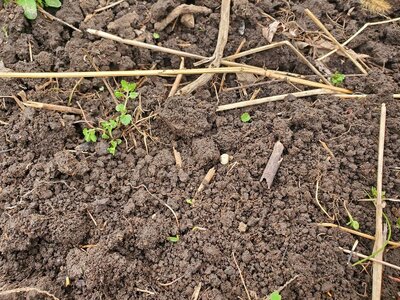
(71, 210)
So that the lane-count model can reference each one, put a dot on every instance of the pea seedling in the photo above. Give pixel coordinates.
(352, 222)
(30, 6)
(126, 92)
(245, 117)
(337, 79)
(275, 296)
(156, 35)
(173, 239)
(373, 195)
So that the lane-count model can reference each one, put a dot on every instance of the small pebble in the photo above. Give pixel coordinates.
(242, 227)
(224, 159)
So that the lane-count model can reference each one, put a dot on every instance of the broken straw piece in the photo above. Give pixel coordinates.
(273, 164)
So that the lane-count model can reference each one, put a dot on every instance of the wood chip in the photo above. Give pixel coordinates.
(273, 164)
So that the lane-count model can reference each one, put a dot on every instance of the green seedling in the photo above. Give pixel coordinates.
(189, 201)
(374, 194)
(337, 79)
(126, 92)
(30, 6)
(173, 239)
(275, 296)
(352, 222)
(245, 117)
(90, 135)
(156, 36)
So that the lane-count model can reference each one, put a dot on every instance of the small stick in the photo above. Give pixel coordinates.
(108, 6)
(287, 283)
(28, 289)
(178, 158)
(172, 282)
(333, 39)
(3, 123)
(319, 204)
(396, 96)
(361, 234)
(92, 218)
(218, 52)
(134, 73)
(271, 99)
(178, 79)
(196, 292)
(273, 164)
(54, 107)
(325, 146)
(279, 44)
(241, 276)
(207, 179)
(73, 90)
(181, 10)
(359, 32)
(379, 243)
(370, 258)
(54, 18)
(145, 291)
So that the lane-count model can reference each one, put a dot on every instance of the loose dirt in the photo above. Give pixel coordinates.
(70, 209)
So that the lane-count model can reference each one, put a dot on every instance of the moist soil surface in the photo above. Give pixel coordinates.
(71, 210)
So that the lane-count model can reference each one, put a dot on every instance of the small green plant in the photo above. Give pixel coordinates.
(30, 6)
(173, 239)
(275, 296)
(373, 194)
(126, 92)
(337, 78)
(352, 222)
(245, 117)
(189, 201)
(156, 35)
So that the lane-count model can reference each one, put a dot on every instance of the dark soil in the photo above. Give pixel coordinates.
(52, 183)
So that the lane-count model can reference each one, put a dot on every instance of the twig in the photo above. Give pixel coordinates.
(325, 146)
(333, 39)
(28, 289)
(144, 291)
(379, 243)
(196, 292)
(181, 10)
(172, 282)
(396, 96)
(287, 283)
(108, 6)
(3, 123)
(272, 99)
(54, 107)
(50, 16)
(219, 50)
(73, 90)
(92, 218)
(178, 79)
(319, 204)
(241, 276)
(361, 234)
(373, 259)
(359, 32)
(178, 158)
(279, 44)
(273, 164)
(134, 73)
(207, 179)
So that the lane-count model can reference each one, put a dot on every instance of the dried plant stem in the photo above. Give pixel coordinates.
(218, 53)
(108, 6)
(28, 289)
(50, 16)
(359, 32)
(253, 70)
(364, 235)
(181, 10)
(279, 44)
(319, 204)
(178, 79)
(396, 96)
(370, 258)
(333, 39)
(379, 239)
(241, 276)
(272, 99)
(54, 107)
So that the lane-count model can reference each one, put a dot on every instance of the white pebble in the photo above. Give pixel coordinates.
(224, 159)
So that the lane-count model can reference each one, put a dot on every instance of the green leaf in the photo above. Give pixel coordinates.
(128, 86)
(245, 117)
(118, 94)
(189, 201)
(53, 3)
(275, 296)
(133, 95)
(156, 36)
(337, 78)
(113, 146)
(355, 225)
(125, 119)
(30, 9)
(90, 135)
(105, 136)
(173, 239)
(120, 108)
